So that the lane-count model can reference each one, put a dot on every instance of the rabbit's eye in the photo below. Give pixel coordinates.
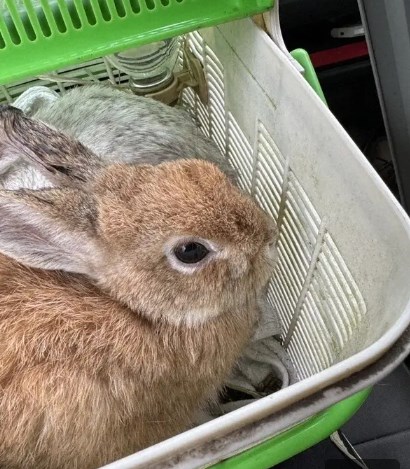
(191, 253)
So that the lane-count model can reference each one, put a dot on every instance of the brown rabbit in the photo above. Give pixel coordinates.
(126, 295)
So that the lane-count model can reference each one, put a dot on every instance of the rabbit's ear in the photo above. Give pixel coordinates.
(51, 229)
(63, 160)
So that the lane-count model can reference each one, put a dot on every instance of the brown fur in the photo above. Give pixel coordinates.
(85, 381)
(107, 348)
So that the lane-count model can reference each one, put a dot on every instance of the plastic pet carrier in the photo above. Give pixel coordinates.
(342, 282)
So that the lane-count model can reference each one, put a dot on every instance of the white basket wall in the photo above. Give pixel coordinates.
(341, 286)
(336, 248)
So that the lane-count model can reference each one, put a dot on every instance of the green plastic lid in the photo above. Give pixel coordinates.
(37, 36)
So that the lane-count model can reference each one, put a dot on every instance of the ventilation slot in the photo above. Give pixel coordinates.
(106, 13)
(120, 9)
(190, 100)
(12, 30)
(59, 20)
(269, 175)
(215, 78)
(135, 6)
(150, 4)
(298, 230)
(239, 154)
(74, 15)
(331, 311)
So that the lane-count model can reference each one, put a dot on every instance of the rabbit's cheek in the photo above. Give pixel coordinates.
(238, 265)
(264, 271)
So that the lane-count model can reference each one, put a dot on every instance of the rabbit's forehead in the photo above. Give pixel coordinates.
(166, 201)
(222, 223)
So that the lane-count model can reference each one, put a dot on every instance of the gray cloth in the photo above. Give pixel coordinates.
(264, 367)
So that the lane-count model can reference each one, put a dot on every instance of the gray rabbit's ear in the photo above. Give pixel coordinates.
(61, 158)
(52, 229)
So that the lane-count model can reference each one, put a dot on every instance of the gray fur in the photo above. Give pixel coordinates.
(50, 150)
(119, 126)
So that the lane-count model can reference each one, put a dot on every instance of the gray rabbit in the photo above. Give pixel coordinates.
(118, 127)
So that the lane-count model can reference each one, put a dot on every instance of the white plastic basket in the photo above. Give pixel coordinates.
(343, 277)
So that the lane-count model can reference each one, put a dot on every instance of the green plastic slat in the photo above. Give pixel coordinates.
(59, 33)
(65, 14)
(79, 8)
(45, 4)
(5, 39)
(18, 24)
(97, 11)
(32, 17)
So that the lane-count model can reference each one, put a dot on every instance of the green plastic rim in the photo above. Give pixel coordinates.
(298, 438)
(60, 33)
